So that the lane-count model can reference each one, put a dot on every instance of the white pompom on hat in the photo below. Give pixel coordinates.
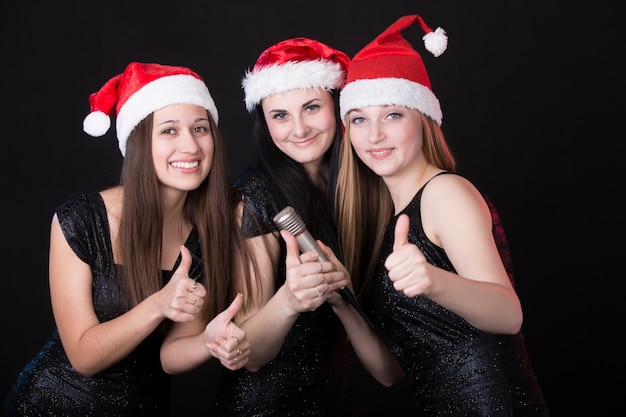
(140, 90)
(388, 71)
(294, 64)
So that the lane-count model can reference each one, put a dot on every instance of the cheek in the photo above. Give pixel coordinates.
(157, 156)
(328, 122)
(357, 138)
(278, 133)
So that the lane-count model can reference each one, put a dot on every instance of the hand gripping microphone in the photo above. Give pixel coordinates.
(291, 221)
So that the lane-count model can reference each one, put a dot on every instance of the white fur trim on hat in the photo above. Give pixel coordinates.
(275, 79)
(162, 92)
(389, 91)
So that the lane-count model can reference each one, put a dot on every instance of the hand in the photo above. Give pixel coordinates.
(225, 340)
(305, 277)
(182, 297)
(338, 277)
(406, 265)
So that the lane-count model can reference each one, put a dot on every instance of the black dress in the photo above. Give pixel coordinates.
(311, 375)
(137, 385)
(453, 368)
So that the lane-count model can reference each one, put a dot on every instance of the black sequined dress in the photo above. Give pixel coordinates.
(453, 368)
(136, 386)
(311, 375)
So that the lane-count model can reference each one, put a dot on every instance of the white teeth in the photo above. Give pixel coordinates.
(185, 164)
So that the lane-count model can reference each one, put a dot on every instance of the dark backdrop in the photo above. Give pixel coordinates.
(529, 91)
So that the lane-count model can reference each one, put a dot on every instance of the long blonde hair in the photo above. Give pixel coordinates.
(364, 205)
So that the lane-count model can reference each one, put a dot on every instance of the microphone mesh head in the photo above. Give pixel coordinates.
(289, 219)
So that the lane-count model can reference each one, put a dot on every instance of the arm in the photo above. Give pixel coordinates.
(190, 344)
(456, 217)
(368, 346)
(366, 343)
(92, 346)
(273, 314)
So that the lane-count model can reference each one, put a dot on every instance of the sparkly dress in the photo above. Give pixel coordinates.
(311, 375)
(453, 368)
(137, 385)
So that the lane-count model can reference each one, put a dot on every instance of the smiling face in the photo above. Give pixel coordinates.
(388, 139)
(182, 146)
(302, 124)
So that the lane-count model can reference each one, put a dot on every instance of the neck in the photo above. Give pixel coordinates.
(403, 188)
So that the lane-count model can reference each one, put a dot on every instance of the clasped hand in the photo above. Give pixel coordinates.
(312, 282)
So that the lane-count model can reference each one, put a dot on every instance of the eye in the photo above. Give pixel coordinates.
(168, 131)
(357, 120)
(201, 129)
(279, 116)
(395, 115)
(312, 107)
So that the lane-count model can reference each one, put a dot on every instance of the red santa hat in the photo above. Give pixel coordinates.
(389, 71)
(140, 90)
(293, 64)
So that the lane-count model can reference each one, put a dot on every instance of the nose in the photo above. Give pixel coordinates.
(375, 134)
(188, 142)
(300, 127)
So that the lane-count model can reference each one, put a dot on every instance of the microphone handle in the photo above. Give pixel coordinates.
(307, 243)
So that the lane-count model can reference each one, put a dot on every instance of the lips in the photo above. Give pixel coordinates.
(380, 153)
(185, 165)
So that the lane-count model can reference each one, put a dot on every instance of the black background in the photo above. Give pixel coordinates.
(531, 98)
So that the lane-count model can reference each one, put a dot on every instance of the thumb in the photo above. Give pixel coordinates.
(185, 261)
(233, 308)
(327, 251)
(401, 233)
(293, 251)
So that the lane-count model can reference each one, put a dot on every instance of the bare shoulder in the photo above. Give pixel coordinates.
(112, 195)
(447, 188)
(452, 200)
(113, 198)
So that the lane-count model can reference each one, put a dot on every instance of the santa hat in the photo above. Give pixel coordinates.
(140, 90)
(389, 71)
(293, 64)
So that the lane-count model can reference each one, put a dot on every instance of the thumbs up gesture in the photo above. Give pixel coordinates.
(406, 265)
(226, 341)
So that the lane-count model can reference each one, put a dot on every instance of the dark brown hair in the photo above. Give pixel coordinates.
(211, 208)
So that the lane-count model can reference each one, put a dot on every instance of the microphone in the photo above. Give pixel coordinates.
(289, 219)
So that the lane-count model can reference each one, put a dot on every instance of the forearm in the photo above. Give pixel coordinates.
(369, 347)
(184, 353)
(488, 306)
(107, 343)
(267, 329)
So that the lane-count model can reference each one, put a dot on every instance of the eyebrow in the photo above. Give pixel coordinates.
(304, 105)
(199, 119)
(308, 103)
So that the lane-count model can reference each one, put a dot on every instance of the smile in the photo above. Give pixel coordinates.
(185, 164)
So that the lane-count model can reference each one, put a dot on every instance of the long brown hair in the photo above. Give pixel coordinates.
(211, 208)
(364, 205)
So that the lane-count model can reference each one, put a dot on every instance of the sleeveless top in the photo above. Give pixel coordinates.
(311, 375)
(453, 368)
(135, 386)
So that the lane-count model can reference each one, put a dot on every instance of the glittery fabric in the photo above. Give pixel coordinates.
(453, 368)
(136, 386)
(311, 375)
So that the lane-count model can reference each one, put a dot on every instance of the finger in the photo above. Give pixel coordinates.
(185, 261)
(293, 252)
(233, 308)
(328, 252)
(401, 233)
